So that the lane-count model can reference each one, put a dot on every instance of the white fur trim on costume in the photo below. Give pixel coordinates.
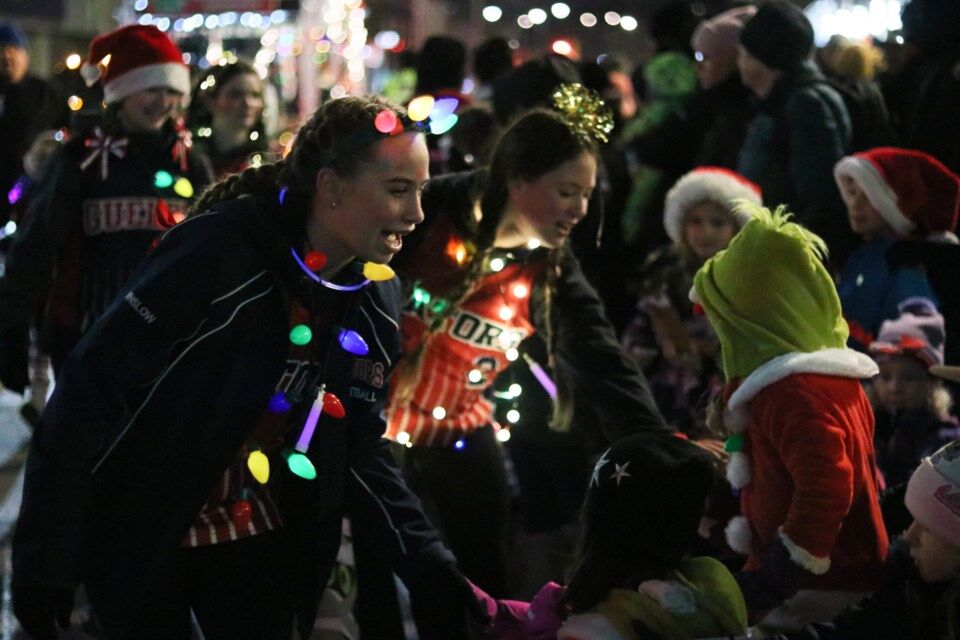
(174, 75)
(737, 419)
(842, 363)
(694, 298)
(878, 192)
(738, 470)
(813, 564)
(700, 186)
(739, 536)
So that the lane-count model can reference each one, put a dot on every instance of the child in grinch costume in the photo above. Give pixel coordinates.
(801, 428)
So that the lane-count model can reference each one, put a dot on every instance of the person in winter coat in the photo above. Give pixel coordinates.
(28, 106)
(923, 93)
(919, 598)
(802, 128)
(725, 101)
(801, 427)
(633, 576)
(912, 406)
(676, 347)
(105, 198)
(209, 432)
(891, 194)
(489, 268)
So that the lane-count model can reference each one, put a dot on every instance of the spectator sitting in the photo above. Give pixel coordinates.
(890, 194)
(912, 406)
(633, 577)
(920, 595)
(676, 348)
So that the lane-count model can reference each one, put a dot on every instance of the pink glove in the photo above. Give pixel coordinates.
(514, 620)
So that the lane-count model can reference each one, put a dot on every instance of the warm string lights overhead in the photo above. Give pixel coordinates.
(560, 11)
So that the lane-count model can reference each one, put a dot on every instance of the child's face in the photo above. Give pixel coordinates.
(147, 110)
(865, 221)
(936, 559)
(708, 228)
(903, 384)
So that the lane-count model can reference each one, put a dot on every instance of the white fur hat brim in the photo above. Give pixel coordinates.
(878, 192)
(173, 75)
(712, 184)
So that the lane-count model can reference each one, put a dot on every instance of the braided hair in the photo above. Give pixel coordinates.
(336, 136)
(536, 143)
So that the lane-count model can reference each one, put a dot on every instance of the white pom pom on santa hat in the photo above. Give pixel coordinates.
(714, 184)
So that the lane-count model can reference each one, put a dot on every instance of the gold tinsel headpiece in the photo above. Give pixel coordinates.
(587, 115)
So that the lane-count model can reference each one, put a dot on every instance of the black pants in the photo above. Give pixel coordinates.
(234, 589)
(465, 495)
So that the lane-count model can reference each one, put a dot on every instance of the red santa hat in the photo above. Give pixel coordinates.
(933, 493)
(715, 184)
(134, 58)
(910, 189)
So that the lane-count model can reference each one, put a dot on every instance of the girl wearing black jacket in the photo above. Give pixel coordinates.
(210, 431)
(104, 199)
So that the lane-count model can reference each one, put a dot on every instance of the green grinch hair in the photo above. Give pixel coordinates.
(769, 294)
(780, 222)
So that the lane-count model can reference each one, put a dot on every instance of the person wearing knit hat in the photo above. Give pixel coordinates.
(677, 349)
(778, 35)
(891, 194)
(802, 127)
(28, 106)
(714, 43)
(728, 104)
(108, 195)
(633, 575)
(911, 405)
(933, 498)
(920, 593)
(800, 425)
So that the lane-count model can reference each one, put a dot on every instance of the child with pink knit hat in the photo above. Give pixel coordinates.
(920, 596)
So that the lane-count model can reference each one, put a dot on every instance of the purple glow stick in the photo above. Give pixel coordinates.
(303, 443)
(542, 377)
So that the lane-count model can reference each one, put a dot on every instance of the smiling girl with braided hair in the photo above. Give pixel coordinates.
(210, 431)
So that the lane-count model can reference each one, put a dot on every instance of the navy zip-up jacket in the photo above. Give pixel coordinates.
(159, 396)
